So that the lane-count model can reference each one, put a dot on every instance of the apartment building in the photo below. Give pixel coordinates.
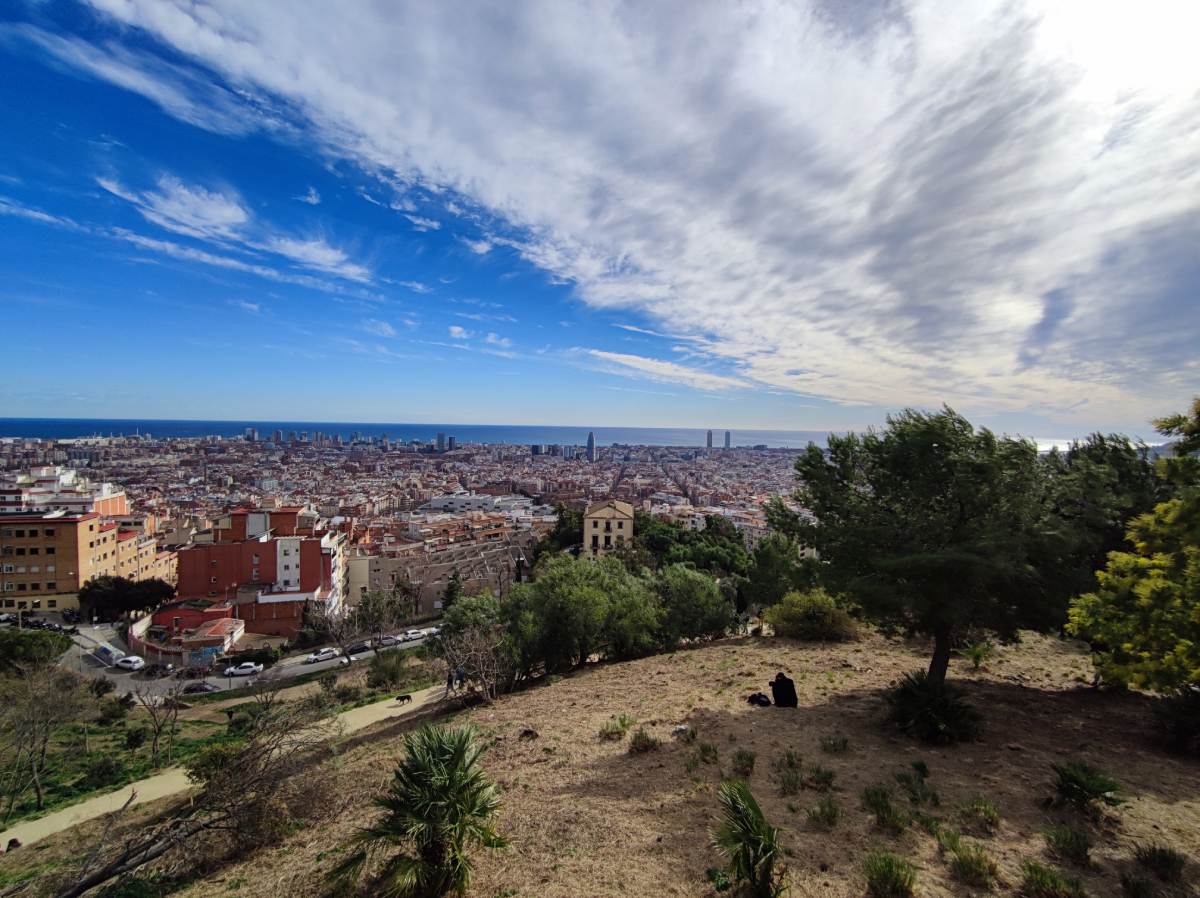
(55, 488)
(46, 556)
(607, 525)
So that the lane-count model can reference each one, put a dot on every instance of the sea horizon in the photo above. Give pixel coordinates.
(485, 434)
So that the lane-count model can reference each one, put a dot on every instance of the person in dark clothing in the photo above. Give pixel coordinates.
(783, 691)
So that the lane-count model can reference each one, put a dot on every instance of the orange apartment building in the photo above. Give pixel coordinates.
(46, 556)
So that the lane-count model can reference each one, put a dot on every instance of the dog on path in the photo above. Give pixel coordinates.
(404, 699)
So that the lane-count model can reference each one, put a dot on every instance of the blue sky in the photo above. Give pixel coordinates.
(798, 216)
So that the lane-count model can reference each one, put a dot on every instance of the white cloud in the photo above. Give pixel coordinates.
(312, 197)
(497, 340)
(479, 247)
(378, 328)
(185, 208)
(459, 333)
(978, 202)
(416, 286)
(252, 307)
(423, 224)
(663, 371)
(318, 254)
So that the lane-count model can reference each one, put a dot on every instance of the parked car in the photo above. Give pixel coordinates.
(245, 669)
(131, 662)
(160, 670)
(200, 688)
(385, 641)
(193, 673)
(326, 654)
(433, 631)
(410, 635)
(358, 648)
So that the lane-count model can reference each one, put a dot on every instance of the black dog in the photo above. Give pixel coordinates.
(403, 699)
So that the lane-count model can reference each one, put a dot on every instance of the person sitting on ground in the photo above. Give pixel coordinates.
(783, 690)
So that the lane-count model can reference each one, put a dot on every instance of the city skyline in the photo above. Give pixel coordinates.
(857, 217)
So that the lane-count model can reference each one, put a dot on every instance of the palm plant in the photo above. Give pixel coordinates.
(440, 805)
(748, 842)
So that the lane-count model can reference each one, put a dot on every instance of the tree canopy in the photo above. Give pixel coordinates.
(111, 597)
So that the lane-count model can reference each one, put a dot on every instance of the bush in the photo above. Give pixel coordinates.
(788, 773)
(977, 653)
(743, 763)
(973, 866)
(707, 752)
(266, 656)
(112, 713)
(388, 670)
(102, 770)
(135, 738)
(813, 615)
(747, 840)
(719, 879)
(1040, 881)
(915, 785)
(101, 686)
(642, 742)
(983, 811)
(1178, 717)
(348, 695)
(1134, 886)
(328, 682)
(819, 778)
(133, 887)
(1069, 843)
(878, 800)
(614, 728)
(933, 712)
(1165, 863)
(1085, 788)
(889, 876)
(835, 744)
(825, 813)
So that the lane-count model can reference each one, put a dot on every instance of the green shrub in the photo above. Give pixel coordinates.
(834, 744)
(328, 682)
(1086, 788)
(388, 670)
(933, 712)
(1178, 716)
(788, 773)
(112, 713)
(348, 695)
(889, 876)
(102, 770)
(743, 763)
(982, 811)
(819, 778)
(748, 842)
(825, 813)
(614, 728)
(642, 742)
(135, 738)
(977, 653)
(1069, 843)
(914, 783)
(1164, 862)
(101, 686)
(972, 865)
(707, 753)
(687, 737)
(1134, 886)
(266, 656)
(813, 615)
(134, 887)
(1040, 881)
(888, 817)
(719, 879)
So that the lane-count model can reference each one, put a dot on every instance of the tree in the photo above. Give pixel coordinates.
(1143, 619)
(377, 612)
(483, 610)
(112, 597)
(24, 649)
(163, 711)
(483, 652)
(453, 591)
(324, 625)
(931, 526)
(693, 605)
(440, 805)
(776, 570)
(246, 787)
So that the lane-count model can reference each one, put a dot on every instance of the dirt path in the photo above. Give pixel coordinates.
(175, 780)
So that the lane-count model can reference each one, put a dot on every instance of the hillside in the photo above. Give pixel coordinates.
(584, 817)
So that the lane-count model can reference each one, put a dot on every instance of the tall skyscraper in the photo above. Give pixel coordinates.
(591, 446)
(452, 443)
(710, 439)
(727, 445)
(441, 442)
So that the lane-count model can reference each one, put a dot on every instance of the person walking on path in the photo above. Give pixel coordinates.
(449, 682)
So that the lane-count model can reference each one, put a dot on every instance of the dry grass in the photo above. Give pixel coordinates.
(584, 817)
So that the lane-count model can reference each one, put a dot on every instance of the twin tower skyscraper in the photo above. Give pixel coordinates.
(728, 443)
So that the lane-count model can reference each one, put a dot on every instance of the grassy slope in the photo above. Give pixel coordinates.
(586, 818)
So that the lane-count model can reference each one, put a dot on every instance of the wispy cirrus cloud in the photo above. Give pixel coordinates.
(869, 208)
(310, 196)
(663, 371)
(378, 328)
(459, 333)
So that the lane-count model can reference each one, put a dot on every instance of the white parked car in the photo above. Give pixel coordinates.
(131, 662)
(245, 669)
(326, 654)
(410, 635)
(433, 631)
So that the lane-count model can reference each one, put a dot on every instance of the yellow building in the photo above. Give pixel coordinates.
(46, 556)
(606, 525)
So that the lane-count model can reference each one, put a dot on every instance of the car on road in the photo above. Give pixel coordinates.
(159, 670)
(245, 669)
(131, 662)
(200, 688)
(358, 648)
(386, 641)
(410, 635)
(193, 673)
(433, 631)
(326, 654)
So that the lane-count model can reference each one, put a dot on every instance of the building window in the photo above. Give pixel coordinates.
(51, 585)
(20, 533)
(595, 524)
(49, 531)
(620, 525)
(595, 540)
(33, 532)
(21, 551)
(49, 569)
(52, 603)
(49, 550)
(35, 587)
(33, 550)
(6, 533)
(20, 587)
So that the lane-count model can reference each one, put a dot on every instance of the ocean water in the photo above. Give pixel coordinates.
(512, 434)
